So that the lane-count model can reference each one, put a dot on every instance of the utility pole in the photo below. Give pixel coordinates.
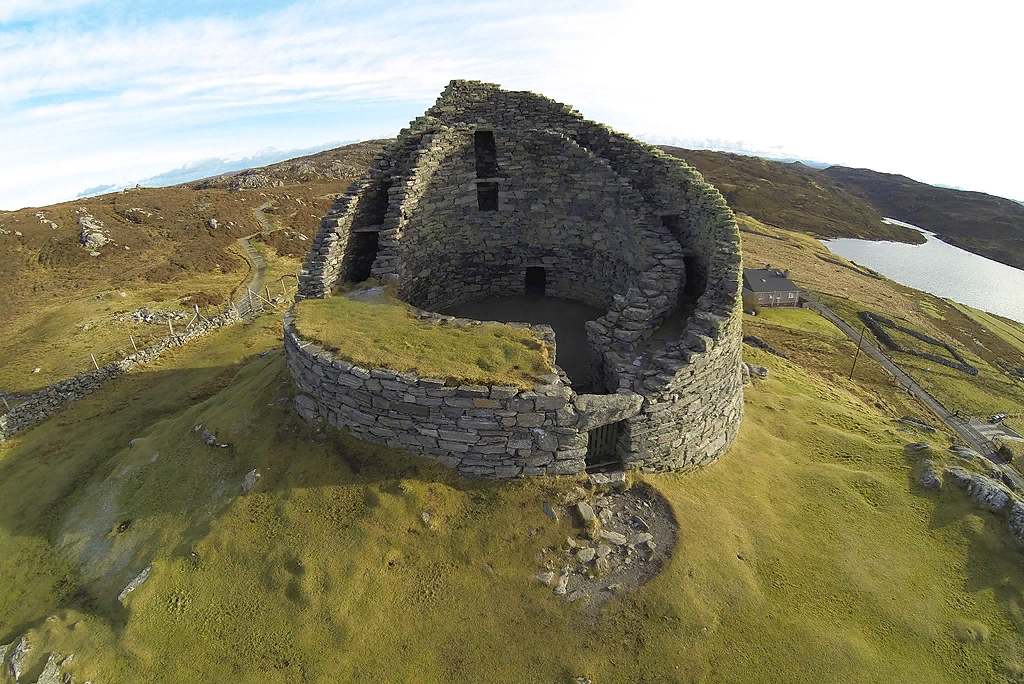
(859, 343)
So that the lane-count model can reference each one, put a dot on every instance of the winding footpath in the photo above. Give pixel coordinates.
(245, 305)
(962, 428)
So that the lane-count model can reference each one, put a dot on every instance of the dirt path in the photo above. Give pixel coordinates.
(962, 428)
(259, 266)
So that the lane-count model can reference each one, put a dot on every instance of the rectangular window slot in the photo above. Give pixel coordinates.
(486, 154)
(487, 196)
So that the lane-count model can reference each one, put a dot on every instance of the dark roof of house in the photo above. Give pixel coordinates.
(767, 280)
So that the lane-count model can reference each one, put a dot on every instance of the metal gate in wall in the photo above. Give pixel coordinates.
(601, 444)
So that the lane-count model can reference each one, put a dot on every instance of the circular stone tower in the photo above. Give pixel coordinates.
(489, 193)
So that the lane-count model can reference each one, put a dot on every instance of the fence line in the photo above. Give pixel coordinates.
(250, 304)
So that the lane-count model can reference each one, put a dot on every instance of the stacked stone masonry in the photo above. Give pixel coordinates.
(613, 222)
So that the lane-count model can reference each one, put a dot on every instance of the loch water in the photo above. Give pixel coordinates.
(942, 270)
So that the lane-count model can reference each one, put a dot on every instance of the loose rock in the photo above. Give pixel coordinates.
(250, 480)
(614, 537)
(135, 583)
(929, 479)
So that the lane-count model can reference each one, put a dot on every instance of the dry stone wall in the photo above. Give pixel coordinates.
(613, 222)
(47, 401)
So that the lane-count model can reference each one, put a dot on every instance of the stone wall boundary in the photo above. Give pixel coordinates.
(45, 402)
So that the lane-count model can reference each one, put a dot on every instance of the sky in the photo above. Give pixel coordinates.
(100, 94)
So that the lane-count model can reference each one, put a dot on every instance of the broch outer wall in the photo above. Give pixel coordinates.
(485, 185)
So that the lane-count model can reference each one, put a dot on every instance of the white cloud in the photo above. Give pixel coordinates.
(873, 84)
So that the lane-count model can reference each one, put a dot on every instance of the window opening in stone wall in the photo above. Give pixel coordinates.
(601, 447)
(487, 196)
(486, 154)
(536, 280)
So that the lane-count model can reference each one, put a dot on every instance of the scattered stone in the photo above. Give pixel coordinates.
(616, 538)
(987, 493)
(964, 452)
(919, 446)
(425, 517)
(571, 543)
(605, 514)
(550, 512)
(16, 660)
(757, 371)
(92, 234)
(929, 479)
(563, 582)
(603, 566)
(531, 532)
(586, 513)
(614, 588)
(615, 479)
(577, 595)
(51, 672)
(745, 372)
(546, 578)
(640, 539)
(574, 495)
(603, 550)
(960, 476)
(250, 480)
(209, 438)
(586, 554)
(134, 442)
(641, 523)
(1017, 522)
(135, 583)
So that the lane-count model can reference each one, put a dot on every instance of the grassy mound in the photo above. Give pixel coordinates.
(806, 555)
(384, 333)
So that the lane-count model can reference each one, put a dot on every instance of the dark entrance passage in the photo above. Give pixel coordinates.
(536, 280)
(361, 253)
(601, 447)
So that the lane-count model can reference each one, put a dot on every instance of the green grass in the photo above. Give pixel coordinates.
(384, 333)
(991, 391)
(805, 555)
(1009, 331)
(806, 320)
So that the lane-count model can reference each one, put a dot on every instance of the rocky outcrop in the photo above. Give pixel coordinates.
(91, 233)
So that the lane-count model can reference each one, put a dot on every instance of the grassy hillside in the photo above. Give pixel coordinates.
(807, 554)
(61, 303)
(325, 571)
(984, 224)
(790, 196)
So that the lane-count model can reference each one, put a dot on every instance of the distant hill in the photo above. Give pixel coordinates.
(792, 196)
(984, 224)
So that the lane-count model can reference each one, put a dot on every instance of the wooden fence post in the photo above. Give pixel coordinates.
(94, 362)
(5, 402)
(133, 344)
(169, 326)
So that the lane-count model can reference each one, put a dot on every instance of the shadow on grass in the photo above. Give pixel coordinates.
(992, 559)
(65, 469)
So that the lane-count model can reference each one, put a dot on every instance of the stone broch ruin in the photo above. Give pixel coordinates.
(492, 193)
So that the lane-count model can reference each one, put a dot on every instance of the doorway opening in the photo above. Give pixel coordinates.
(361, 252)
(536, 280)
(601, 448)
(695, 279)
